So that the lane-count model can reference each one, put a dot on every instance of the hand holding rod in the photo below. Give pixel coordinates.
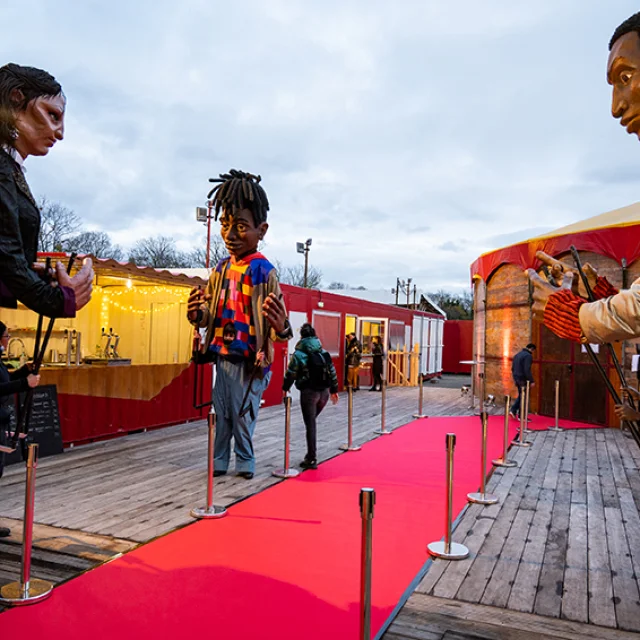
(25, 410)
(634, 428)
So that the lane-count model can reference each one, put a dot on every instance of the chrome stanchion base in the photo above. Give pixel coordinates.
(439, 550)
(382, 432)
(525, 443)
(202, 513)
(482, 498)
(419, 415)
(13, 594)
(285, 473)
(346, 447)
(501, 462)
(554, 428)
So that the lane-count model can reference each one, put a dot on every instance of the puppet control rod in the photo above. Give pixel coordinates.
(38, 357)
(633, 425)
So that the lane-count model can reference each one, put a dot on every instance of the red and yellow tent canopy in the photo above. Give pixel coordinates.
(615, 234)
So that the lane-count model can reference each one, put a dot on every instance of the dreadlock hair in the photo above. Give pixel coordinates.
(32, 83)
(629, 25)
(239, 190)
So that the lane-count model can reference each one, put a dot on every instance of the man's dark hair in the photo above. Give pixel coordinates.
(629, 25)
(531, 346)
(239, 190)
(32, 83)
(307, 331)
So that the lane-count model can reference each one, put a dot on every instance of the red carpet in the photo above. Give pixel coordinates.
(540, 423)
(284, 563)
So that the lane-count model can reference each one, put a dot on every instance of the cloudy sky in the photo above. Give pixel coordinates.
(405, 138)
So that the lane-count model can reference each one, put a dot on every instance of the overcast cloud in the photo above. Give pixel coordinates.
(405, 138)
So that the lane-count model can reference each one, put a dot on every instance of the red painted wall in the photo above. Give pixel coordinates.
(85, 418)
(458, 345)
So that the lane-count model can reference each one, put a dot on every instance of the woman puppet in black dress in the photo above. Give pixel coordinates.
(32, 108)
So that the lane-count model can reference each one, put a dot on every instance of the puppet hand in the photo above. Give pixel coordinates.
(197, 298)
(542, 290)
(260, 356)
(275, 313)
(81, 283)
(625, 412)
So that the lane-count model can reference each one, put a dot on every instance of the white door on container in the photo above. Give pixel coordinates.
(297, 319)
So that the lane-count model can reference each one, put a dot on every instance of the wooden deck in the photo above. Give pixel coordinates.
(558, 557)
(563, 543)
(101, 499)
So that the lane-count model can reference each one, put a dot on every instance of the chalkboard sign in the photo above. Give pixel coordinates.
(44, 425)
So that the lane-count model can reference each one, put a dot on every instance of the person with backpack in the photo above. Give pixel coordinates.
(312, 370)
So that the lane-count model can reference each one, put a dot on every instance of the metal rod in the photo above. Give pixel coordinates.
(483, 497)
(27, 591)
(420, 397)
(503, 461)
(210, 511)
(556, 426)
(349, 446)
(367, 502)
(521, 442)
(382, 431)
(211, 424)
(286, 471)
(27, 530)
(447, 548)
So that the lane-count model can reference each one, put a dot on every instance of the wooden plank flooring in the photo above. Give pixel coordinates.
(561, 548)
(140, 486)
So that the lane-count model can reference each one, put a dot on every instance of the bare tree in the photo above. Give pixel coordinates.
(295, 275)
(337, 286)
(456, 306)
(57, 225)
(97, 243)
(159, 252)
(198, 257)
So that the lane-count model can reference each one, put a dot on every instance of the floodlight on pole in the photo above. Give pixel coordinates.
(304, 247)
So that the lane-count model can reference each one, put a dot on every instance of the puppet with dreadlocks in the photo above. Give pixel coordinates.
(243, 312)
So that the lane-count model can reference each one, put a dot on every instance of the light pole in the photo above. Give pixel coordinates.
(304, 247)
(405, 287)
(203, 214)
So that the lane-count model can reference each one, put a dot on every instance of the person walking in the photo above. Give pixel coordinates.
(353, 357)
(312, 370)
(521, 371)
(376, 366)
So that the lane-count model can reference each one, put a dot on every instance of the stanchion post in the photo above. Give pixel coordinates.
(446, 548)
(521, 442)
(503, 461)
(27, 591)
(527, 398)
(420, 398)
(482, 497)
(286, 471)
(367, 503)
(382, 431)
(349, 446)
(556, 426)
(211, 510)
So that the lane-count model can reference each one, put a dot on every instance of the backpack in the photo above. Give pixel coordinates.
(319, 366)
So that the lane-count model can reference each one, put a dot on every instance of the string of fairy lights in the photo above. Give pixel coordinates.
(110, 295)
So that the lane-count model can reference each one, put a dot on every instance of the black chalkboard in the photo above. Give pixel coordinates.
(44, 425)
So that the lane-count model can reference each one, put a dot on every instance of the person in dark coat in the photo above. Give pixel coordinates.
(32, 109)
(521, 371)
(10, 384)
(377, 365)
(315, 390)
(353, 357)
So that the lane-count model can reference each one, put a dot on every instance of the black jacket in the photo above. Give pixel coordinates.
(19, 229)
(11, 382)
(521, 367)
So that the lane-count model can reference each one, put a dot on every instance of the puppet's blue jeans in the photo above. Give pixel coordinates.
(228, 392)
